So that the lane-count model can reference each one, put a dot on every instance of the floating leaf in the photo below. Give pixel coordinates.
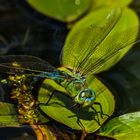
(42, 119)
(64, 10)
(111, 3)
(60, 106)
(94, 46)
(125, 127)
(8, 116)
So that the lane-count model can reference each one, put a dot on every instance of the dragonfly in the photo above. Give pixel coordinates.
(82, 57)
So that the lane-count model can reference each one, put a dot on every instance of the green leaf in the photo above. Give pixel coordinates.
(8, 116)
(60, 106)
(100, 40)
(125, 127)
(42, 119)
(112, 3)
(64, 10)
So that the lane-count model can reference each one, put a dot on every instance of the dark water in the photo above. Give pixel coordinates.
(24, 31)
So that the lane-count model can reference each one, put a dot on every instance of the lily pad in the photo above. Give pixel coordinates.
(125, 127)
(8, 115)
(64, 10)
(61, 108)
(94, 46)
(111, 3)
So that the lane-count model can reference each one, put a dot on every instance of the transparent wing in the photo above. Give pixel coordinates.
(97, 48)
(81, 44)
(109, 54)
(27, 64)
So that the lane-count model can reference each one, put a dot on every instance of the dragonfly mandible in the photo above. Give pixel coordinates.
(82, 56)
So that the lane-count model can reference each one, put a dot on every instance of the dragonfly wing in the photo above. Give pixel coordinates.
(93, 47)
(81, 43)
(28, 64)
(21, 58)
(109, 54)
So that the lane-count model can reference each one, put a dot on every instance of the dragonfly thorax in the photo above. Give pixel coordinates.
(79, 88)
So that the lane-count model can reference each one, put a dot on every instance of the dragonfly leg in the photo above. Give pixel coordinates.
(50, 97)
(79, 122)
(101, 113)
(75, 103)
(97, 120)
(77, 115)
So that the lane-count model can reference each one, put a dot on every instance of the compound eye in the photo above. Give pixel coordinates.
(87, 95)
(82, 96)
(90, 93)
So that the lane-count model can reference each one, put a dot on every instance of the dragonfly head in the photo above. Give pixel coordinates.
(85, 97)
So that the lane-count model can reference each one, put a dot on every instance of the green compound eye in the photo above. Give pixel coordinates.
(82, 96)
(86, 95)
